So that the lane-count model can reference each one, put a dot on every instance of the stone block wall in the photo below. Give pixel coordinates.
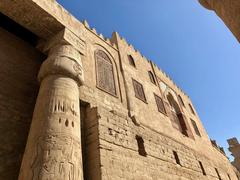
(110, 126)
(123, 137)
(18, 71)
(120, 158)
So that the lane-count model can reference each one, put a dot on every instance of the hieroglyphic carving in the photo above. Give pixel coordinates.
(105, 74)
(63, 105)
(53, 150)
(56, 158)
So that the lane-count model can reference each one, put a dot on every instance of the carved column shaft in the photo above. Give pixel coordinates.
(53, 150)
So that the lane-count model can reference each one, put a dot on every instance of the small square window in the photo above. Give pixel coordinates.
(131, 61)
(176, 157)
(202, 168)
(141, 147)
(219, 177)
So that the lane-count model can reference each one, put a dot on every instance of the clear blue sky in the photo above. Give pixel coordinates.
(188, 42)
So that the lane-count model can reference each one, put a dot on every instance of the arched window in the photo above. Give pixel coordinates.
(105, 75)
(176, 116)
(195, 127)
(131, 61)
(151, 76)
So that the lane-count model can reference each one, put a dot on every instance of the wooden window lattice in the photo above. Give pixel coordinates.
(160, 104)
(105, 76)
(139, 92)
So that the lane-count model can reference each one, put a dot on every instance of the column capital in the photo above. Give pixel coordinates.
(63, 60)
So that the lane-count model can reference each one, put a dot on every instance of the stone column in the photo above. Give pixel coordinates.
(53, 150)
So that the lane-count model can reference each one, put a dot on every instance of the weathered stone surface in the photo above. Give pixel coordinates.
(228, 11)
(88, 127)
(53, 149)
(18, 90)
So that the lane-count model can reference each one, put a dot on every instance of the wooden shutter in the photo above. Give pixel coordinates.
(160, 104)
(139, 92)
(105, 74)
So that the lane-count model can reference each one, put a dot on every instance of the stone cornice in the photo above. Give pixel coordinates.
(45, 18)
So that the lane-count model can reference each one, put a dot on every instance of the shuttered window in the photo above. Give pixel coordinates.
(151, 76)
(105, 76)
(139, 92)
(195, 127)
(160, 104)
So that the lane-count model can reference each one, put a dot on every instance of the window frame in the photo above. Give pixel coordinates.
(138, 83)
(176, 157)
(218, 174)
(164, 109)
(141, 146)
(202, 168)
(97, 75)
(131, 61)
(195, 127)
(151, 77)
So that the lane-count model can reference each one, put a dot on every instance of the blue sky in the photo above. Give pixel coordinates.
(188, 42)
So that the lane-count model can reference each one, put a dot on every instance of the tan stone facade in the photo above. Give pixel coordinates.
(228, 11)
(102, 111)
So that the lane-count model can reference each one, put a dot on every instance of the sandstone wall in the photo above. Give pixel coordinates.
(111, 133)
(19, 67)
(110, 122)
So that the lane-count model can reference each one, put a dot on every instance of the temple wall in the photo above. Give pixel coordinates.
(18, 90)
(123, 137)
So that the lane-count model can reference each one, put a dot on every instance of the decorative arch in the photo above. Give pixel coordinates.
(105, 72)
(176, 115)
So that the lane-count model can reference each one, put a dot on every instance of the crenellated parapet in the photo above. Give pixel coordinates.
(142, 57)
(94, 31)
